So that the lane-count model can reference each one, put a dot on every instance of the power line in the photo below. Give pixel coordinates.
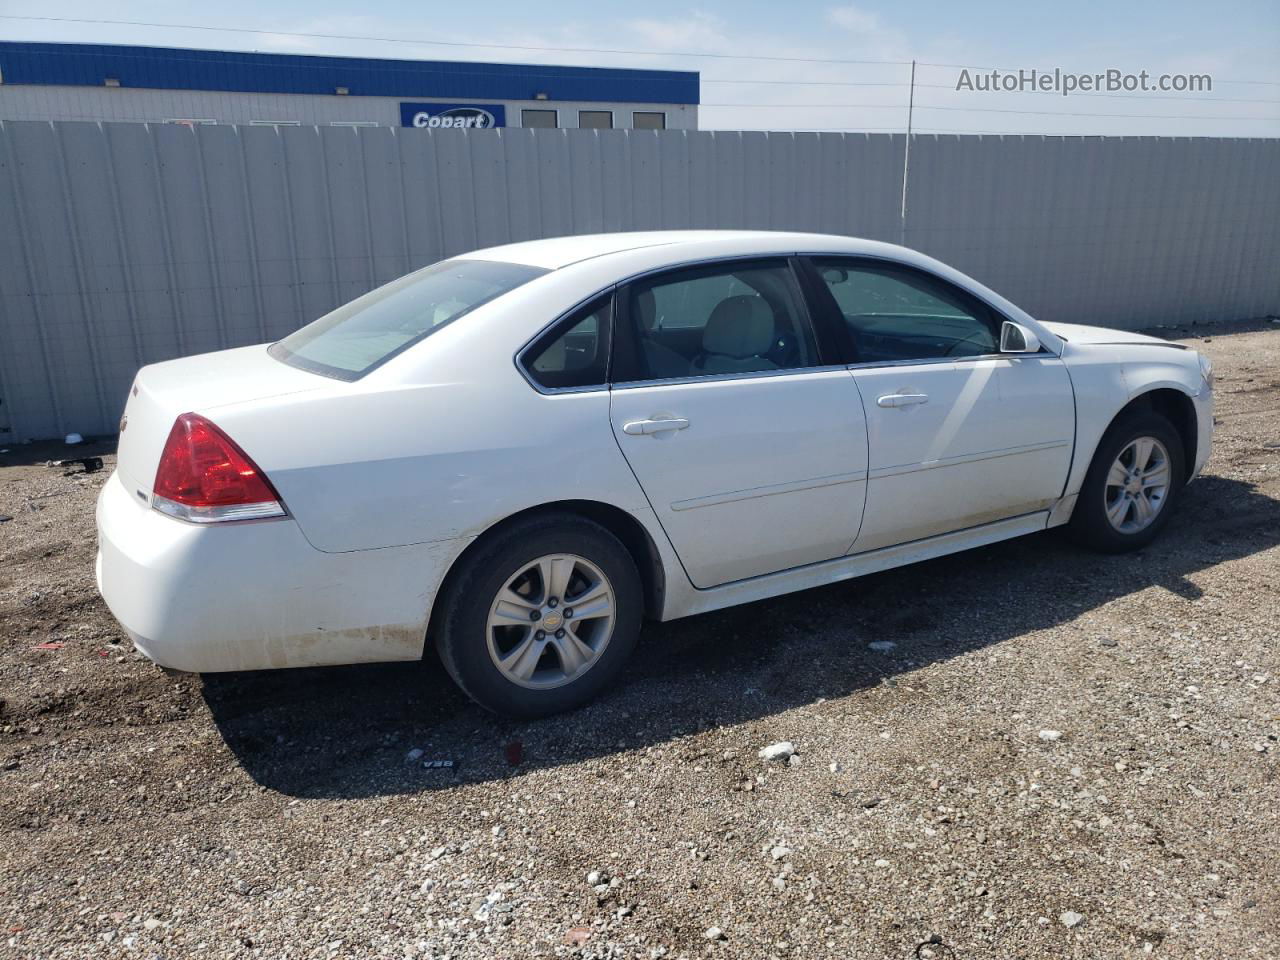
(1119, 116)
(947, 86)
(823, 83)
(527, 47)
(971, 66)
(1110, 96)
(1041, 113)
(556, 49)
(449, 43)
(787, 106)
(533, 73)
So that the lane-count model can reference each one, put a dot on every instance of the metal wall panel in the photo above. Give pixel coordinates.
(125, 244)
(1120, 232)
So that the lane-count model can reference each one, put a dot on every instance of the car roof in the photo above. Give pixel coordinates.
(557, 252)
(622, 254)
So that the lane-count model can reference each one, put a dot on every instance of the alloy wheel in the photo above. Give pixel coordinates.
(551, 621)
(1137, 485)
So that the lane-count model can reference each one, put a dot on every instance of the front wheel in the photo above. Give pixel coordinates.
(1133, 482)
(542, 617)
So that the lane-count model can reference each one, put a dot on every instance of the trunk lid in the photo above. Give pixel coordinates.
(163, 391)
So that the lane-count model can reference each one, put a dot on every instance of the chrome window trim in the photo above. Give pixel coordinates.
(718, 377)
(932, 361)
(911, 266)
(694, 264)
(518, 357)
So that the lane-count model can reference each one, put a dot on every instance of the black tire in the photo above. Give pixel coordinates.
(462, 639)
(1089, 524)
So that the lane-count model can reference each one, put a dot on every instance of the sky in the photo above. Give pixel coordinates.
(784, 66)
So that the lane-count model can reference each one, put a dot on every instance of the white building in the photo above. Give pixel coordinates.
(69, 81)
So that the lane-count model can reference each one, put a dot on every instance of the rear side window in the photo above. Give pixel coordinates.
(730, 318)
(370, 330)
(576, 352)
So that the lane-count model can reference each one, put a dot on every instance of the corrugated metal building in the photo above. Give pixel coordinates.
(72, 81)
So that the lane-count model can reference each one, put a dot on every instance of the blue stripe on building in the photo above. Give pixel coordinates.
(165, 68)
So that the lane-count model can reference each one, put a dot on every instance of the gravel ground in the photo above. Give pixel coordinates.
(1062, 755)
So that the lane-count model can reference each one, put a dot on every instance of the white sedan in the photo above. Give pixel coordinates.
(516, 455)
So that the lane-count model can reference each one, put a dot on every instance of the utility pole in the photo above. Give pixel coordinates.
(906, 153)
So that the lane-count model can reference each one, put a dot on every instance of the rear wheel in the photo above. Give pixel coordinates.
(1132, 484)
(542, 617)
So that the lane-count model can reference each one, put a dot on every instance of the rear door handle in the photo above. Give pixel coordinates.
(902, 399)
(640, 428)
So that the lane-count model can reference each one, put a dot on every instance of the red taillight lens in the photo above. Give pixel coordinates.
(204, 476)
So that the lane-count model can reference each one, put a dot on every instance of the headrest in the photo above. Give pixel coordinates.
(740, 327)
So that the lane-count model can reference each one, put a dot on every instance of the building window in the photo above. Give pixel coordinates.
(596, 119)
(192, 122)
(545, 119)
(353, 123)
(648, 120)
(275, 123)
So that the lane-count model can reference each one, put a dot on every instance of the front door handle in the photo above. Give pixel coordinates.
(902, 399)
(640, 428)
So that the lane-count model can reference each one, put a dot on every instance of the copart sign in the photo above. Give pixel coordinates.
(453, 116)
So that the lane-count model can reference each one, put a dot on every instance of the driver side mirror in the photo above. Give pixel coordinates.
(1015, 338)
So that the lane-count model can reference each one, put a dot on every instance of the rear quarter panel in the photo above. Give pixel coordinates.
(442, 442)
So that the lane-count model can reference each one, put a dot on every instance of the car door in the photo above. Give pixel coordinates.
(746, 434)
(958, 433)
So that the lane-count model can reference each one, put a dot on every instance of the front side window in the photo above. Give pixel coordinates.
(895, 313)
(740, 317)
(576, 352)
(370, 330)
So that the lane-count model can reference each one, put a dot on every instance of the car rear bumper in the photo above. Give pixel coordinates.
(255, 595)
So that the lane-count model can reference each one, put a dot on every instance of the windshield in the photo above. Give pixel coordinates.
(370, 330)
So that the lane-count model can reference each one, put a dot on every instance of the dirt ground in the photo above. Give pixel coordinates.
(277, 815)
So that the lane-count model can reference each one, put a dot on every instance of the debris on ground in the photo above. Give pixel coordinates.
(85, 465)
(577, 936)
(131, 794)
(778, 751)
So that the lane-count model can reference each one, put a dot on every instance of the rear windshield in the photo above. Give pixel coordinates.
(370, 330)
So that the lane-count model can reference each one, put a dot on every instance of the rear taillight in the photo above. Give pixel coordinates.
(204, 477)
